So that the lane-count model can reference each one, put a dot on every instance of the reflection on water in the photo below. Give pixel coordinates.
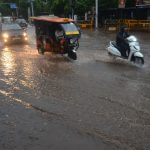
(8, 61)
(4, 93)
(27, 69)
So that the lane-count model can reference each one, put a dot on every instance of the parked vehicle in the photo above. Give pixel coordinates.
(7, 19)
(58, 35)
(12, 33)
(22, 22)
(134, 55)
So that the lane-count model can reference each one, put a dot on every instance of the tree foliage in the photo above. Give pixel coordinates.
(60, 7)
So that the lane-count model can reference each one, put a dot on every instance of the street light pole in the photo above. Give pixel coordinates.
(72, 3)
(96, 16)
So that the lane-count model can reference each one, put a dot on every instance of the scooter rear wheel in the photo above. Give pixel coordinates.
(111, 56)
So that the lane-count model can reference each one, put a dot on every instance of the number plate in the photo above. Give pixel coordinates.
(71, 33)
(16, 38)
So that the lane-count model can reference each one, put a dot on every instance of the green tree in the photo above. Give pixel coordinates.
(5, 8)
(82, 6)
(60, 7)
(108, 4)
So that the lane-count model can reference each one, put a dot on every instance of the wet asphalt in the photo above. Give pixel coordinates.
(48, 102)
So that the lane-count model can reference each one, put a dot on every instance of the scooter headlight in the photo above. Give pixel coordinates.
(71, 41)
(5, 35)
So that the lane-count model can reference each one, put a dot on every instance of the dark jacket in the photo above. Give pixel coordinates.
(121, 42)
(121, 36)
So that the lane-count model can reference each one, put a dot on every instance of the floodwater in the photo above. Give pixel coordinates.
(48, 102)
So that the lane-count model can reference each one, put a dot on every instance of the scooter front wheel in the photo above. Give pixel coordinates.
(72, 55)
(139, 61)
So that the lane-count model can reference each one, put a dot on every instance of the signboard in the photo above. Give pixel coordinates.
(122, 3)
(13, 5)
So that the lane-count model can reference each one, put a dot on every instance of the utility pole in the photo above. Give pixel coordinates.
(72, 13)
(96, 14)
(32, 8)
(29, 12)
(17, 12)
(72, 5)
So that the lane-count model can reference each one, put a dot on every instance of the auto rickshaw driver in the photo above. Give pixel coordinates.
(59, 35)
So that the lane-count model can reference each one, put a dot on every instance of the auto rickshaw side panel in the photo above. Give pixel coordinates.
(45, 37)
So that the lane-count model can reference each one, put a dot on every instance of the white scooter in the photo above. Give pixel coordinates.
(134, 54)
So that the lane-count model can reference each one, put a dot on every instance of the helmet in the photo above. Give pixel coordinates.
(123, 29)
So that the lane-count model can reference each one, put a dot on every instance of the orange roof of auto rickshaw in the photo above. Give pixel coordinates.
(50, 19)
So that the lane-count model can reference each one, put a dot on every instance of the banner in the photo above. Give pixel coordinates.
(146, 2)
(142, 2)
(122, 3)
(139, 2)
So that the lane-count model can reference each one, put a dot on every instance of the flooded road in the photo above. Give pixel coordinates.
(49, 102)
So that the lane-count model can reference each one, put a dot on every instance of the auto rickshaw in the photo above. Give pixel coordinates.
(57, 35)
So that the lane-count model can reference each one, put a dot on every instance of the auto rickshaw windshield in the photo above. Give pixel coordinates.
(69, 27)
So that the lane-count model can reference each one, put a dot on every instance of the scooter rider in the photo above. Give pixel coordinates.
(121, 41)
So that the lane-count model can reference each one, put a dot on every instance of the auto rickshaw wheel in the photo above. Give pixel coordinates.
(41, 50)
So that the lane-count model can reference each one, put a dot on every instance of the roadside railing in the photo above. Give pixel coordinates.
(136, 24)
(111, 24)
(132, 24)
(86, 24)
